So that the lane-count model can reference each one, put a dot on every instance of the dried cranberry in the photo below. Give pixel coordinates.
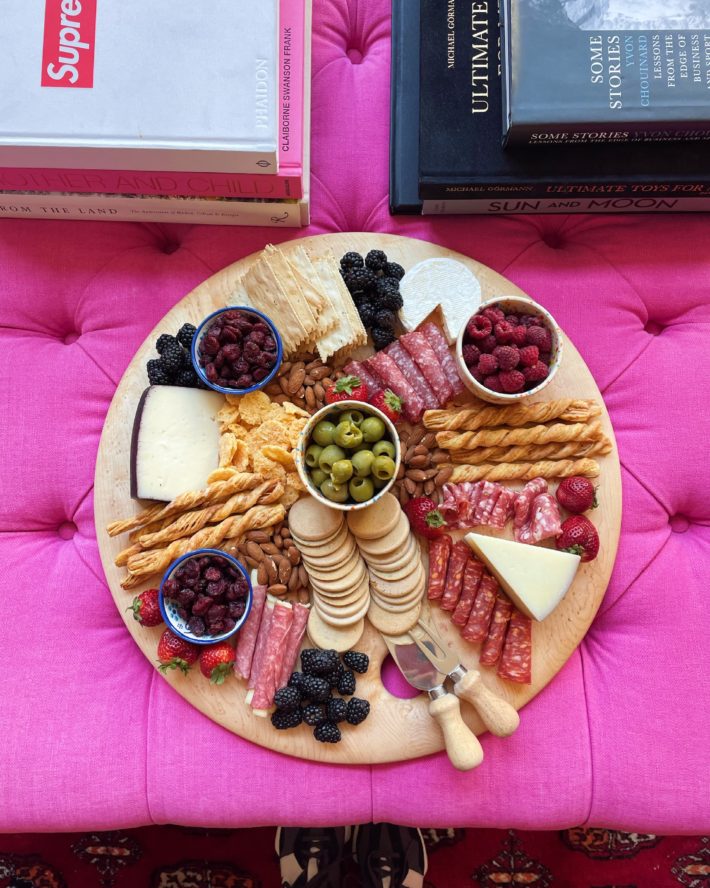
(196, 625)
(259, 374)
(211, 373)
(265, 360)
(170, 588)
(215, 589)
(231, 594)
(240, 366)
(224, 382)
(232, 315)
(245, 381)
(232, 353)
(182, 613)
(216, 628)
(251, 351)
(219, 361)
(229, 624)
(244, 325)
(236, 609)
(212, 574)
(261, 327)
(202, 605)
(269, 344)
(241, 586)
(230, 335)
(257, 336)
(216, 612)
(210, 345)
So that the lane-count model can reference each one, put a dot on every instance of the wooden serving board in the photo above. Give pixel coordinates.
(381, 737)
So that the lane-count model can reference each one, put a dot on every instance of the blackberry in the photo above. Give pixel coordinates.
(333, 677)
(376, 260)
(287, 698)
(171, 357)
(366, 310)
(357, 710)
(393, 270)
(156, 372)
(387, 285)
(314, 714)
(357, 661)
(317, 662)
(346, 685)
(327, 733)
(315, 689)
(352, 260)
(381, 338)
(360, 279)
(337, 710)
(384, 319)
(186, 378)
(283, 719)
(296, 680)
(164, 341)
(392, 300)
(186, 334)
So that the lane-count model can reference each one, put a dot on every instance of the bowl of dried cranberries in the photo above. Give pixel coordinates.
(509, 350)
(236, 350)
(205, 596)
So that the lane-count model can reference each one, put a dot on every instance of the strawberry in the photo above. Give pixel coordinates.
(217, 661)
(425, 518)
(577, 494)
(389, 403)
(579, 536)
(145, 608)
(347, 388)
(175, 653)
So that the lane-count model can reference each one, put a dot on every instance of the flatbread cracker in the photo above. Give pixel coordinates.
(349, 333)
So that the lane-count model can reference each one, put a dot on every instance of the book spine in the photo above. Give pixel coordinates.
(119, 208)
(563, 190)
(532, 206)
(541, 136)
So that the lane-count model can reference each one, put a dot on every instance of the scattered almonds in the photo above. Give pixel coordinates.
(425, 467)
(303, 381)
(274, 556)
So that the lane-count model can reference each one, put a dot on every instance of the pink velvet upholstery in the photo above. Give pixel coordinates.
(93, 738)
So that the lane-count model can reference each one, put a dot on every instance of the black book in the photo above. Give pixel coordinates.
(605, 71)
(404, 109)
(461, 156)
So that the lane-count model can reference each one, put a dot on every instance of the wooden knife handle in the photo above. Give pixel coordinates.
(462, 746)
(496, 713)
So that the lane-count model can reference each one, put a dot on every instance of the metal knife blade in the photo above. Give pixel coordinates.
(413, 665)
(440, 658)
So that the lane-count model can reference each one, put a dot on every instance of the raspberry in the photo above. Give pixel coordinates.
(476, 373)
(493, 383)
(471, 354)
(520, 335)
(540, 336)
(503, 332)
(513, 320)
(488, 344)
(494, 315)
(536, 373)
(529, 355)
(487, 364)
(512, 381)
(478, 327)
(508, 356)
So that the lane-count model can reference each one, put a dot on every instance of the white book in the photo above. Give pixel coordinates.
(160, 85)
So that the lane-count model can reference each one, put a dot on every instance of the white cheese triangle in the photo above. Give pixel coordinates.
(536, 578)
(444, 282)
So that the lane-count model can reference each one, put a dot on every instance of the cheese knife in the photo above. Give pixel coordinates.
(462, 746)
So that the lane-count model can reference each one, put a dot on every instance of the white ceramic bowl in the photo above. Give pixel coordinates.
(512, 305)
(305, 439)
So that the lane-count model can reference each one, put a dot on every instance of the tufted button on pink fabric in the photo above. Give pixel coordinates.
(679, 523)
(355, 56)
(653, 328)
(66, 530)
(70, 338)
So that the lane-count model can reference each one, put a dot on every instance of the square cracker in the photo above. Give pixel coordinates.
(350, 333)
(268, 295)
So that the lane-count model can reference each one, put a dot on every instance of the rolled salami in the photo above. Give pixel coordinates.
(484, 505)
(425, 358)
(460, 553)
(524, 500)
(487, 512)
(405, 363)
(355, 368)
(261, 640)
(493, 645)
(265, 687)
(516, 659)
(392, 377)
(471, 581)
(439, 552)
(293, 643)
(503, 509)
(478, 622)
(438, 342)
(249, 632)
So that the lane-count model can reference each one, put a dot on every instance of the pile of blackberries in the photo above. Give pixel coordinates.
(174, 366)
(373, 283)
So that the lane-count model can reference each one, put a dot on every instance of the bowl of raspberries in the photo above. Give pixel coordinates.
(509, 350)
(236, 350)
(205, 596)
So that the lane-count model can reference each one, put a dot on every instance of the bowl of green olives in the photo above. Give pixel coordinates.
(348, 455)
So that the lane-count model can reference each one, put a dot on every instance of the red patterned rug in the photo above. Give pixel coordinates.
(179, 857)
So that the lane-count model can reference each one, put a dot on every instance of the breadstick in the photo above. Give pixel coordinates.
(470, 419)
(213, 493)
(532, 452)
(562, 468)
(538, 434)
(154, 561)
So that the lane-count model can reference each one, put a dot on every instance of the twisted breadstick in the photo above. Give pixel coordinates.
(532, 452)
(470, 419)
(540, 434)
(562, 468)
(155, 560)
(213, 493)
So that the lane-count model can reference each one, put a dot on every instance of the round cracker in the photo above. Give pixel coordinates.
(337, 616)
(339, 584)
(391, 623)
(339, 638)
(400, 605)
(391, 542)
(396, 589)
(407, 553)
(346, 594)
(396, 575)
(377, 520)
(329, 542)
(310, 520)
(347, 562)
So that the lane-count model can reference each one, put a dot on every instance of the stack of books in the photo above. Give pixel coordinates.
(157, 112)
(550, 106)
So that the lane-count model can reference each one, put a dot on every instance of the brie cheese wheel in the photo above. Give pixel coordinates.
(439, 282)
(175, 443)
(535, 578)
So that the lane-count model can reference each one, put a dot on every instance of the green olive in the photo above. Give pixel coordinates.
(342, 471)
(323, 433)
(313, 455)
(338, 493)
(372, 428)
(380, 482)
(353, 416)
(361, 489)
(383, 468)
(331, 454)
(384, 448)
(318, 476)
(347, 434)
(362, 462)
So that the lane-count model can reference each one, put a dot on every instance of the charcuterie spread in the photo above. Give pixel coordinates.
(340, 457)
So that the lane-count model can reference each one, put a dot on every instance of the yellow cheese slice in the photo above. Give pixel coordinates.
(536, 578)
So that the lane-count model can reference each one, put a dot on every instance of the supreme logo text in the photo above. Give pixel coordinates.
(68, 49)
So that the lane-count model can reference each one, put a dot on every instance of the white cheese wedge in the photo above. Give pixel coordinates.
(439, 282)
(535, 578)
(175, 442)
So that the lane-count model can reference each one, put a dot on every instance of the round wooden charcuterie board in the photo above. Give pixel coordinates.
(381, 738)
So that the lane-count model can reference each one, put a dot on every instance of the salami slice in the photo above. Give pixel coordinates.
(385, 368)
(355, 368)
(439, 552)
(293, 643)
(249, 632)
(488, 489)
(265, 687)
(261, 640)
(503, 509)
(546, 522)
(478, 622)
(516, 659)
(471, 580)
(493, 645)
(413, 374)
(524, 500)
(438, 342)
(489, 508)
(454, 575)
(425, 358)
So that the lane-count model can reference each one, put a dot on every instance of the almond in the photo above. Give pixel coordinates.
(277, 589)
(293, 582)
(429, 440)
(285, 368)
(420, 450)
(416, 475)
(271, 570)
(285, 569)
(319, 392)
(430, 473)
(418, 433)
(261, 574)
(303, 576)
(284, 383)
(421, 461)
(409, 485)
(310, 399)
(409, 455)
(443, 475)
(429, 487)
(254, 551)
(271, 548)
(294, 556)
(258, 536)
(296, 377)
(439, 456)
(319, 373)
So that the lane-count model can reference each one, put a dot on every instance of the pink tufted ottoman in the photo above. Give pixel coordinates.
(93, 738)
